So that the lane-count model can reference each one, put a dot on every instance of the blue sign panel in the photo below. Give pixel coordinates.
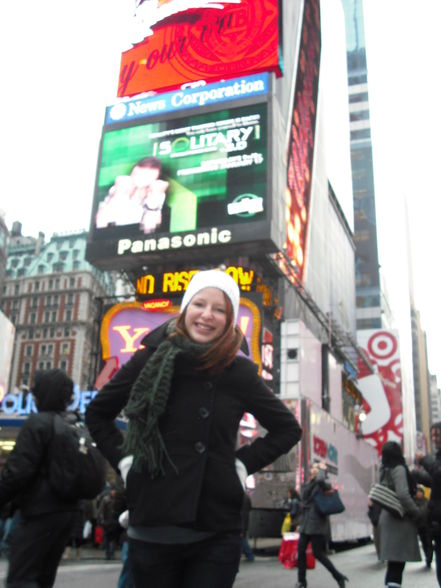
(246, 87)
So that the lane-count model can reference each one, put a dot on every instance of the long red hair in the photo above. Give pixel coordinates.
(224, 349)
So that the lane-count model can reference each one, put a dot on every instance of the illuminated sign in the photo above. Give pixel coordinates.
(143, 107)
(177, 282)
(301, 144)
(170, 185)
(23, 404)
(156, 304)
(201, 43)
(126, 324)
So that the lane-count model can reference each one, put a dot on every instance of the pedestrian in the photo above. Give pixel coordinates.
(432, 466)
(424, 532)
(313, 527)
(246, 548)
(46, 520)
(293, 507)
(184, 393)
(109, 523)
(398, 536)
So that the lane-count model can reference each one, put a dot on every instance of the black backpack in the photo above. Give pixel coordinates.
(76, 468)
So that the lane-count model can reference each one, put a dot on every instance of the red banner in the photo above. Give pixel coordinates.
(203, 44)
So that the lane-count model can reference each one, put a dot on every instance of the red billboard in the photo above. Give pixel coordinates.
(301, 144)
(185, 43)
(382, 394)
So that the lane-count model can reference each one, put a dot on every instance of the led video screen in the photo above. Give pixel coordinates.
(177, 177)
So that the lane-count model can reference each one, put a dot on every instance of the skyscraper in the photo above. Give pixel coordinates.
(368, 289)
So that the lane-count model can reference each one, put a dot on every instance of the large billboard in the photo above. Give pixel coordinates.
(169, 185)
(382, 393)
(302, 139)
(182, 41)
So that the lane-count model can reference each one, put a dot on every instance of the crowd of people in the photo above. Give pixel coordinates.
(179, 512)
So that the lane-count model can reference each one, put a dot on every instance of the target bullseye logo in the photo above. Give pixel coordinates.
(382, 345)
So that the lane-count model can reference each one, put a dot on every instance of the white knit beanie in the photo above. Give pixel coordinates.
(213, 279)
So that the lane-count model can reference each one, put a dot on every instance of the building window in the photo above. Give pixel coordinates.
(37, 285)
(48, 365)
(65, 347)
(52, 332)
(57, 283)
(63, 365)
(41, 365)
(50, 349)
(27, 367)
(32, 318)
(72, 282)
(31, 333)
(28, 350)
(45, 329)
(46, 317)
(68, 315)
(66, 331)
(54, 316)
(51, 284)
(16, 289)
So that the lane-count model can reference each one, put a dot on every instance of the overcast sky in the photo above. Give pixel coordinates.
(60, 68)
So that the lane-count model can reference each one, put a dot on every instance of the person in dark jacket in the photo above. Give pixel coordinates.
(432, 478)
(46, 520)
(314, 527)
(398, 536)
(184, 394)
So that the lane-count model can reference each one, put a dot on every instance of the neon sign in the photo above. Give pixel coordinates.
(127, 323)
(24, 404)
(177, 282)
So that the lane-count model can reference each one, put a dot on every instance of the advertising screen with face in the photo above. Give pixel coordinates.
(159, 184)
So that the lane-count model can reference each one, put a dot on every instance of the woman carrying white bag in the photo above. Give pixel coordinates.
(398, 536)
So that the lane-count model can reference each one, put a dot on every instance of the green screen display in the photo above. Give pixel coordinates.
(183, 174)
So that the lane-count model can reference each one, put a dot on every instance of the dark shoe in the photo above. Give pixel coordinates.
(342, 582)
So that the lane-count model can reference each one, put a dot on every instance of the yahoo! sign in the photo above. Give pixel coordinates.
(23, 404)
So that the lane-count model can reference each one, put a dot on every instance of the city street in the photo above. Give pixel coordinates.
(359, 564)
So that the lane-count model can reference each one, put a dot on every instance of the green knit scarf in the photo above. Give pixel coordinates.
(148, 401)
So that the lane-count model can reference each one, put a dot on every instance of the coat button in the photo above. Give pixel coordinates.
(200, 447)
(208, 386)
(204, 412)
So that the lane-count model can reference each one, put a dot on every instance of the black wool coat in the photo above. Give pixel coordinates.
(199, 428)
(24, 478)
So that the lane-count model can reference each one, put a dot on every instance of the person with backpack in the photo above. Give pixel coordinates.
(46, 519)
(313, 527)
(184, 393)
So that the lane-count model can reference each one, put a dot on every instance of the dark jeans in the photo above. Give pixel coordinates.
(36, 549)
(212, 562)
(394, 573)
(437, 550)
(426, 540)
(318, 543)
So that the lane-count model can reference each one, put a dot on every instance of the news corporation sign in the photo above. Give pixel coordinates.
(190, 97)
(23, 404)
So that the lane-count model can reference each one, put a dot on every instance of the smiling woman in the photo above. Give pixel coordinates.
(184, 394)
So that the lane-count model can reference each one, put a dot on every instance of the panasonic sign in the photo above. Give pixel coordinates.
(245, 87)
